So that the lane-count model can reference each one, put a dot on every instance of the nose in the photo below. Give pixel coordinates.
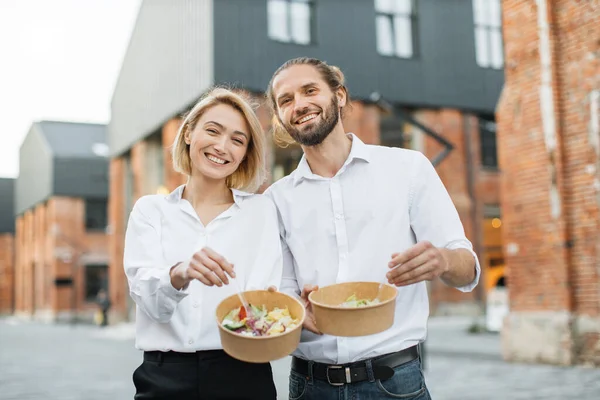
(220, 144)
(300, 107)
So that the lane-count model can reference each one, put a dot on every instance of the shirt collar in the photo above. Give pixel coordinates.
(238, 195)
(359, 150)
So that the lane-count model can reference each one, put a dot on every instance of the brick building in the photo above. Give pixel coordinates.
(7, 255)
(549, 149)
(434, 90)
(61, 251)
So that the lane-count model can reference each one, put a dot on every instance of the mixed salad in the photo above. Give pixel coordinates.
(353, 302)
(260, 322)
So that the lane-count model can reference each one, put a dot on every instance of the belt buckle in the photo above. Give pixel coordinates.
(348, 377)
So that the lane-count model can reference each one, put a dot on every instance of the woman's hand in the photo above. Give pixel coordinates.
(206, 265)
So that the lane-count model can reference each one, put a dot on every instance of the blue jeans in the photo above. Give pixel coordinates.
(407, 383)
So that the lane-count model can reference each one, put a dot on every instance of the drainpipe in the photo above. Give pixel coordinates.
(475, 207)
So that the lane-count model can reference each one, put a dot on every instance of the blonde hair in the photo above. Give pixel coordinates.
(251, 172)
(332, 75)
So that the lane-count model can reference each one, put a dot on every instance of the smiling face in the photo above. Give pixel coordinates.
(218, 143)
(305, 105)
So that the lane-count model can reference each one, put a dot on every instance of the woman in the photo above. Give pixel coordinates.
(182, 251)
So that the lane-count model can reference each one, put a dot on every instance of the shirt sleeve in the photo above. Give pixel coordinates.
(267, 268)
(289, 283)
(434, 217)
(146, 270)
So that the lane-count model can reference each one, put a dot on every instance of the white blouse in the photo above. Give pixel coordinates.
(164, 230)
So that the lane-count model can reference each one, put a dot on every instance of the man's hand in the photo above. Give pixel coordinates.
(206, 265)
(309, 321)
(422, 262)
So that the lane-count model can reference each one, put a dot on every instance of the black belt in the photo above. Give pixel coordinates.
(338, 375)
(176, 357)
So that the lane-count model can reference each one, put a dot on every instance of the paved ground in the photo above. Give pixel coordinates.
(61, 362)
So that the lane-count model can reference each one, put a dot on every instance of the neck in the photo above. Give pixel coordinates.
(327, 158)
(200, 191)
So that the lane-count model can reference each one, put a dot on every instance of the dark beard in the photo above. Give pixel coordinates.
(315, 135)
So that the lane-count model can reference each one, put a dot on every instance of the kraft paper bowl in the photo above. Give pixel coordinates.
(261, 349)
(333, 319)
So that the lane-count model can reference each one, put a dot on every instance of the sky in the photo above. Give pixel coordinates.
(59, 61)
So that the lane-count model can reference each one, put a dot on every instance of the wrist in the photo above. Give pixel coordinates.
(446, 256)
(177, 280)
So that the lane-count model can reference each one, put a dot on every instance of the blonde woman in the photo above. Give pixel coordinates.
(183, 249)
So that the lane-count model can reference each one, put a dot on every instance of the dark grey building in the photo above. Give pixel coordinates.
(63, 159)
(7, 212)
(408, 53)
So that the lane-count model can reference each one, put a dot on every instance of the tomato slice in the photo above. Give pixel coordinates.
(242, 313)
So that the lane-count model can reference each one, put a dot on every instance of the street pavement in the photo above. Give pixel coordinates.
(64, 362)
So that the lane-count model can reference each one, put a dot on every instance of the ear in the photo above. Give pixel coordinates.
(186, 137)
(341, 96)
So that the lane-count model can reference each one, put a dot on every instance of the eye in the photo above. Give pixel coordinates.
(284, 101)
(311, 91)
(238, 141)
(212, 131)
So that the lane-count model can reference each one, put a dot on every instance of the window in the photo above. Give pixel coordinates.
(95, 214)
(395, 27)
(290, 21)
(487, 135)
(96, 278)
(488, 33)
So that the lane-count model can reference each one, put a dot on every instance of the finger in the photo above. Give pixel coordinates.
(214, 267)
(194, 274)
(272, 288)
(310, 324)
(207, 273)
(408, 266)
(421, 278)
(418, 274)
(219, 259)
(307, 289)
(412, 252)
(224, 265)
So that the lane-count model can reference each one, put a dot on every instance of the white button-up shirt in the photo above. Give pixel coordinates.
(345, 228)
(165, 230)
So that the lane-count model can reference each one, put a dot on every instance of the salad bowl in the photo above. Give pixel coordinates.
(271, 330)
(354, 308)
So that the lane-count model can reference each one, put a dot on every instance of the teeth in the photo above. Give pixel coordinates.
(307, 118)
(215, 159)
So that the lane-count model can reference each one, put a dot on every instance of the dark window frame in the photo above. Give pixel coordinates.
(390, 15)
(101, 271)
(289, 18)
(489, 29)
(488, 143)
(99, 204)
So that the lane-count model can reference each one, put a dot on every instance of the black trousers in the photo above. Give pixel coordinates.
(205, 375)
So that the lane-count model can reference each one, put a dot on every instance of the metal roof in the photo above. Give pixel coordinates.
(74, 139)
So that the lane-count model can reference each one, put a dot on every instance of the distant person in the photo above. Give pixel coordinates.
(182, 249)
(103, 305)
(357, 212)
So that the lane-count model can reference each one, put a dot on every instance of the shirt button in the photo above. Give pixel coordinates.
(191, 341)
(195, 305)
(339, 216)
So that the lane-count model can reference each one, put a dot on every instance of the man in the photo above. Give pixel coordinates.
(356, 212)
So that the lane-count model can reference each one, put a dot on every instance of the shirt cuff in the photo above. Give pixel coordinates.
(472, 285)
(168, 289)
